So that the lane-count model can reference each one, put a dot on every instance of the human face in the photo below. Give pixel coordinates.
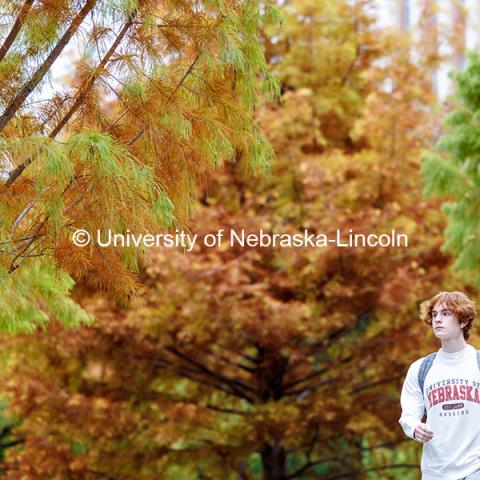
(445, 323)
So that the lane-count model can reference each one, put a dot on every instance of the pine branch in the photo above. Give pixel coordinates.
(13, 267)
(238, 365)
(187, 73)
(24, 212)
(18, 171)
(189, 372)
(12, 443)
(221, 357)
(16, 28)
(77, 103)
(364, 386)
(309, 387)
(306, 377)
(235, 385)
(309, 464)
(343, 330)
(214, 385)
(29, 86)
(89, 84)
(31, 239)
(225, 410)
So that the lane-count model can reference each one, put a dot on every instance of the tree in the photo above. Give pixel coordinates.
(161, 94)
(6, 441)
(451, 172)
(264, 362)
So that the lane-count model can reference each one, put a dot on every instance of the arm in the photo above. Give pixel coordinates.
(411, 400)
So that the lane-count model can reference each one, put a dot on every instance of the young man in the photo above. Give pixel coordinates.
(450, 396)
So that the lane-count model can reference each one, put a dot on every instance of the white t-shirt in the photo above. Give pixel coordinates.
(452, 402)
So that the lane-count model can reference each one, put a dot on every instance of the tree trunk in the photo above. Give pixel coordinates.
(273, 462)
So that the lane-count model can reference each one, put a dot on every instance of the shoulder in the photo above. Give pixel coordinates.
(415, 366)
(475, 352)
(472, 347)
(417, 363)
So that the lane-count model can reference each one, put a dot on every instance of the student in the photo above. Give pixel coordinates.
(450, 396)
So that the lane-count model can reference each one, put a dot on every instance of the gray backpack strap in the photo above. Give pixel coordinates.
(427, 364)
(478, 359)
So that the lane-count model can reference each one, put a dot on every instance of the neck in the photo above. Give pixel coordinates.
(451, 345)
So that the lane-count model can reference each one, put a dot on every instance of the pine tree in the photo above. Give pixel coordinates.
(451, 171)
(264, 363)
(161, 93)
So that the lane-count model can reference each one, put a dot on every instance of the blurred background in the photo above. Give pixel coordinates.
(280, 363)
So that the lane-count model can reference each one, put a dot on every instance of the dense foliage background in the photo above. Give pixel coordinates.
(233, 363)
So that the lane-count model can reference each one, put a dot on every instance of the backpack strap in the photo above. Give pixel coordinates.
(427, 364)
(478, 359)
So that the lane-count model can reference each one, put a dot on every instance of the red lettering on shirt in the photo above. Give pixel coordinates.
(448, 393)
(455, 393)
(441, 395)
(469, 394)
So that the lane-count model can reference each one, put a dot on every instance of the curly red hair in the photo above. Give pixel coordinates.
(457, 302)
